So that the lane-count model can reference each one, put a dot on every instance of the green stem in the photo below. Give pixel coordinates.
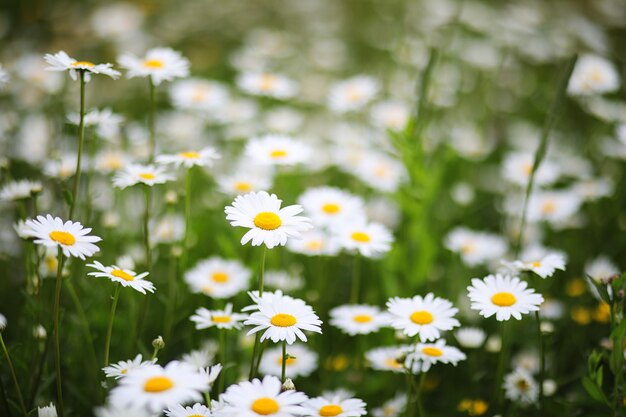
(81, 140)
(146, 228)
(56, 313)
(171, 302)
(501, 364)
(183, 264)
(542, 363)
(262, 271)
(356, 279)
(207, 399)
(17, 385)
(418, 396)
(107, 343)
(257, 338)
(283, 368)
(222, 359)
(151, 118)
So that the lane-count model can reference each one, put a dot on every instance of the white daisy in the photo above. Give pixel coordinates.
(106, 122)
(4, 77)
(330, 205)
(517, 168)
(70, 236)
(168, 229)
(424, 316)
(475, 248)
(283, 280)
(283, 120)
(19, 190)
(160, 64)
(126, 277)
(222, 319)
(519, 386)
(314, 242)
(283, 318)
(3, 322)
(544, 266)
(122, 368)
(335, 407)
(244, 180)
(61, 61)
(261, 398)
(390, 114)
(197, 410)
(391, 408)
(392, 358)
(302, 361)
(504, 296)
(199, 358)
(428, 354)
(62, 168)
(276, 149)
(156, 388)
(601, 269)
(380, 171)
(593, 75)
(352, 94)
(470, 337)
(358, 319)
(110, 161)
(555, 207)
(218, 278)
(141, 174)
(268, 223)
(211, 373)
(203, 157)
(47, 411)
(267, 84)
(198, 94)
(369, 239)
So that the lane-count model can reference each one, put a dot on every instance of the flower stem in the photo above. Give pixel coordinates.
(501, 364)
(81, 140)
(56, 314)
(283, 368)
(17, 385)
(146, 228)
(356, 279)
(262, 271)
(257, 338)
(183, 264)
(542, 362)
(222, 377)
(151, 116)
(107, 343)
(418, 396)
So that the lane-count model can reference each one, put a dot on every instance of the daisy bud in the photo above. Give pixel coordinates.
(39, 332)
(36, 189)
(288, 385)
(158, 343)
(3, 322)
(547, 327)
(171, 197)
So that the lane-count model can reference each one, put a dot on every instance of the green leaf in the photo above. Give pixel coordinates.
(594, 391)
(67, 196)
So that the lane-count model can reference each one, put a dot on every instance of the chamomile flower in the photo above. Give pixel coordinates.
(391, 408)
(283, 280)
(335, 407)
(283, 318)
(544, 266)
(199, 358)
(352, 94)
(218, 278)
(203, 157)
(302, 361)
(593, 75)
(475, 248)
(19, 190)
(314, 242)
(110, 161)
(428, 354)
(601, 269)
(126, 277)
(391, 114)
(554, 207)
(267, 84)
(470, 337)
(330, 205)
(245, 180)
(198, 94)
(504, 296)
(358, 319)
(211, 372)
(380, 171)
(369, 239)
(47, 411)
(4, 77)
(70, 236)
(424, 316)
(222, 319)
(123, 368)
(155, 387)
(160, 64)
(61, 61)
(276, 149)
(392, 358)
(519, 386)
(197, 410)
(141, 174)
(517, 168)
(262, 398)
(268, 223)
(3, 322)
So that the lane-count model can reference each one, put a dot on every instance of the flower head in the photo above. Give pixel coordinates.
(424, 316)
(203, 157)
(161, 64)
(125, 277)
(70, 236)
(222, 319)
(141, 174)
(61, 61)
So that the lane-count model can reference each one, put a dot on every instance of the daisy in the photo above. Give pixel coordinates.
(111, 410)
(390, 359)
(330, 205)
(70, 236)
(518, 166)
(593, 75)
(283, 280)
(601, 269)
(222, 319)
(4, 77)
(155, 387)
(267, 84)
(122, 368)
(198, 94)
(106, 122)
(211, 373)
(283, 120)
(283, 318)
(520, 386)
(197, 410)
(423, 316)
(504, 296)
(126, 277)
(380, 171)
(61, 61)
(302, 361)
(141, 174)
(391, 408)
(358, 319)
(390, 114)
(160, 64)
(475, 248)
(335, 407)
(313, 243)
(262, 398)
(108, 161)
(19, 190)
(555, 207)
(199, 358)
(470, 337)
(352, 94)
(268, 223)
(168, 229)
(276, 149)
(369, 239)
(3, 322)
(428, 354)
(544, 266)
(203, 157)
(47, 411)
(218, 278)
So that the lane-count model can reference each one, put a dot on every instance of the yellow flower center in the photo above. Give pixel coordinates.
(267, 220)
(82, 64)
(268, 81)
(393, 363)
(331, 208)
(220, 319)
(63, 238)
(503, 299)
(360, 237)
(112, 162)
(158, 384)
(362, 318)
(243, 186)
(124, 371)
(421, 317)
(548, 207)
(153, 63)
(314, 245)
(290, 361)
(278, 153)
(147, 176)
(123, 275)
(195, 415)
(265, 406)
(331, 410)
(536, 264)
(432, 351)
(468, 248)
(283, 320)
(220, 277)
(190, 155)
(522, 385)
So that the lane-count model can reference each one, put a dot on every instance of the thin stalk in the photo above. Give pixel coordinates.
(17, 385)
(81, 140)
(255, 351)
(222, 359)
(356, 279)
(146, 228)
(107, 343)
(258, 362)
(257, 338)
(501, 364)
(418, 396)
(171, 302)
(262, 271)
(185, 255)
(57, 346)
(151, 118)
(542, 363)
(207, 398)
(283, 368)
